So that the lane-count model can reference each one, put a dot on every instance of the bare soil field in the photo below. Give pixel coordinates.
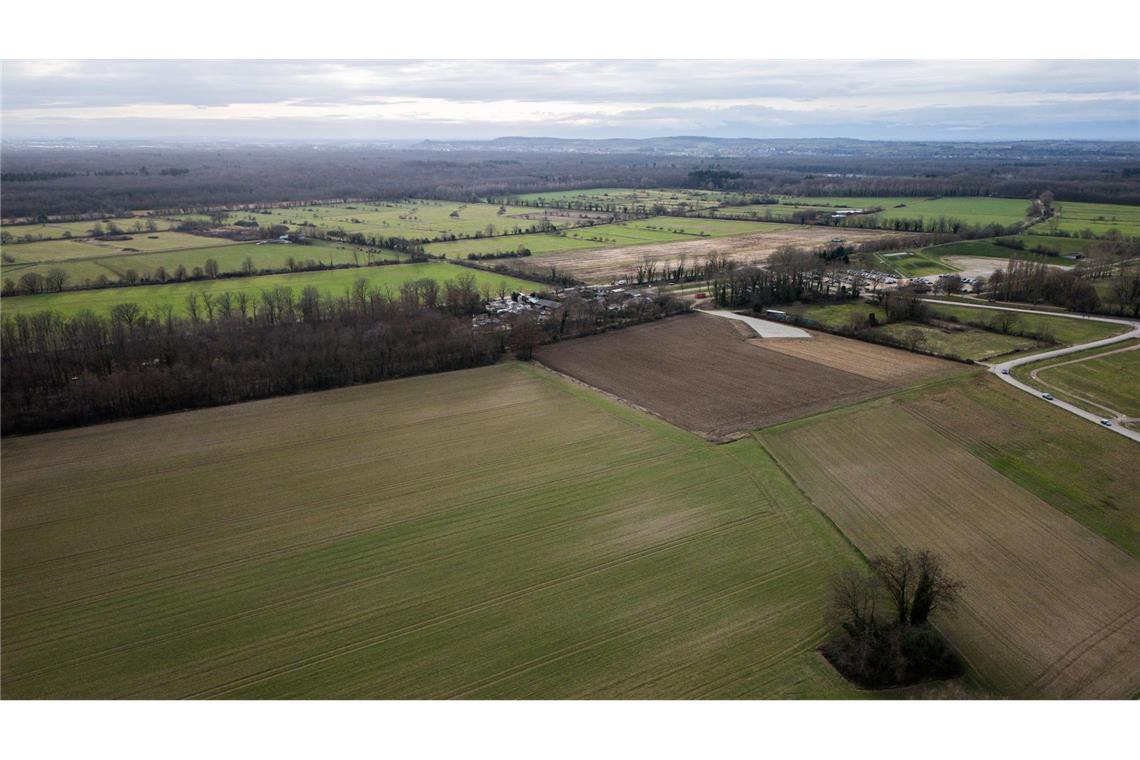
(1050, 609)
(607, 264)
(882, 363)
(705, 375)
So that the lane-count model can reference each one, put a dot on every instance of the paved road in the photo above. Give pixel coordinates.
(1007, 366)
(763, 327)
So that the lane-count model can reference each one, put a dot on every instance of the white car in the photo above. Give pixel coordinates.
(1047, 396)
(1005, 371)
(1106, 423)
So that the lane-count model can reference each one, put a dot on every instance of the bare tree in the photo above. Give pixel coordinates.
(916, 584)
(854, 597)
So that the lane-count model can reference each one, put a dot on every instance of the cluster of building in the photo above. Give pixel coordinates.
(613, 297)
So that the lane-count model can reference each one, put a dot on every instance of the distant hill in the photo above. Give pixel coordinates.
(746, 147)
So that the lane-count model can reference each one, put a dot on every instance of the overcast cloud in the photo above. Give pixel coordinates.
(485, 99)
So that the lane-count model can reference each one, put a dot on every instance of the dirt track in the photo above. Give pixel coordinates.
(608, 264)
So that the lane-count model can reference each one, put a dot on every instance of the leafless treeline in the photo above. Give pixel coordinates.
(62, 371)
(790, 275)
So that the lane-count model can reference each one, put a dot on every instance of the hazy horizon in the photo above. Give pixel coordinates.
(380, 101)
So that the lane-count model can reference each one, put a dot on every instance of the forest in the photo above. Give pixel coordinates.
(75, 179)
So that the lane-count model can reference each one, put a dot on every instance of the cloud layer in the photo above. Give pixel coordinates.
(484, 99)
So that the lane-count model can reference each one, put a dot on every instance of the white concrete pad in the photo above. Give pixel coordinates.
(765, 328)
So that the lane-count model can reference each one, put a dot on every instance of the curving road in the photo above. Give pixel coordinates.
(1006, 366)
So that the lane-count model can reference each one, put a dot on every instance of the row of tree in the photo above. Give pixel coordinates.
(60, 370)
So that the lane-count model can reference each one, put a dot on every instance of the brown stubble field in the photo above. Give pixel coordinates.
(1050, 608)
(875, 362)
(607, 264)
(705, 374)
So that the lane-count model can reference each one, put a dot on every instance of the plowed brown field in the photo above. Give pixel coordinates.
(705, 375)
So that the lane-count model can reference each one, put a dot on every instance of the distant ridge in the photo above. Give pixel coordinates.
(749, 147)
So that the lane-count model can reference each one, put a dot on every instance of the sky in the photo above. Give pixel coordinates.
(451, 99)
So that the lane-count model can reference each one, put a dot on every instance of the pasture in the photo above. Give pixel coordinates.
(56, 251)
(1097, 218)
(333, 281)
(1050, 609)
(1103, 380)
(414, 219)
(907, 263)
(961, 331)
(709, 376)
(629, 200)
(973, 211)
(61, 230)
(230, 258)
(991, 250)
(489, 533)
(942, 339)
(1066, 331)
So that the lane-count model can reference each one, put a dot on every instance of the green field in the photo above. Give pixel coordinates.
(631, 200)
(538, 244)
(1107, 377)
(961, 340)
(230, 258)
(908, 263)
(489, 533)
(1073, 218)
(1066, 331)
(336, 282)
(658, 229)
(971, 210)
(1099, 218)
(416, 220)
(54, 251)
(989, 249)
(702, 227)
(1087, 473)
(958, 342)
(59, 230)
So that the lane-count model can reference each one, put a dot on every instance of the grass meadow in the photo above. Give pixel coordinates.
(60, 230)
(336, 281)
(1098, 379)
(415, 219)
(230, 258)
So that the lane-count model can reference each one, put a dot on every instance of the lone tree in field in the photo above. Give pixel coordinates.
(884, 637)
